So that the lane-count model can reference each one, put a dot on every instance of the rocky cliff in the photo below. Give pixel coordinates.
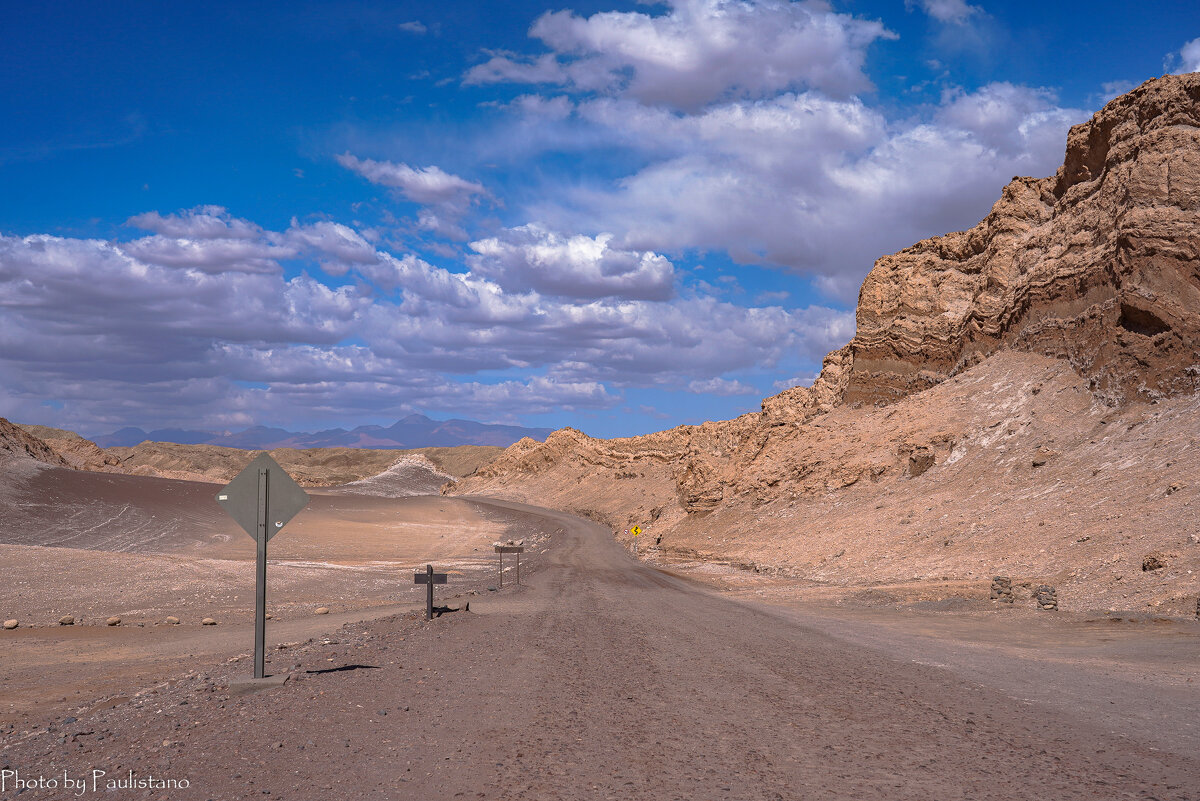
(1087, 280)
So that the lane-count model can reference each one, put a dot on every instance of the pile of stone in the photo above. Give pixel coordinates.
(1047, 598)
(1002, 590)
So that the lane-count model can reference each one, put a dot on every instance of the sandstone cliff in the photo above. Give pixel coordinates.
(1087, 281)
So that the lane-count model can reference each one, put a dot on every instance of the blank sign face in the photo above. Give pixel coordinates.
(239, 498)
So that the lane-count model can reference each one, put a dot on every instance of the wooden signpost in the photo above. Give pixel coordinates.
(429, 578)
(262, 498)
(503, 549)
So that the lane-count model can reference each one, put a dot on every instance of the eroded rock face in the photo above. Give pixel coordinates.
(1096, 264)
(15, 442)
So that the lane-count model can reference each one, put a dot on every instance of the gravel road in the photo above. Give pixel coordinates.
(601, 678)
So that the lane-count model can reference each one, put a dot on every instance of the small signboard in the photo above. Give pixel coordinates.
(635, 530)
(281, 498)
(503, 549)
(429, 578)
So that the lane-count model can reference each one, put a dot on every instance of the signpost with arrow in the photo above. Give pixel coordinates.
(262, 499)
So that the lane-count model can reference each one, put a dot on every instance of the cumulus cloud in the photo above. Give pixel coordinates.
(721, 386)
(951, 11)
(202, 222)
(698, 52)
(529, 257)
(446, 197)
(331, 239)
(413, 26)
(1188, 58)
(119, 331)
(426, 185)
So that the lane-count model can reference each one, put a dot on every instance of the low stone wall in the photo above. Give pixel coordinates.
(1002, 590)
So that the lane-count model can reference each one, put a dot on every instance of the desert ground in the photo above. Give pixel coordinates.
(602, 676)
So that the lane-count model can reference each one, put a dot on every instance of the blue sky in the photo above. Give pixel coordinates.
(617, 216)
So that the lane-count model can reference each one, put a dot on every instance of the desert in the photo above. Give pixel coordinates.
(719, 421)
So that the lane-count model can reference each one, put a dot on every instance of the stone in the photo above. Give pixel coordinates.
(172, 620)
(322, 610)
(1153, 562)
(66, 620)
(208, 621)
(113, 621)
(1043, 455)
(11, 624)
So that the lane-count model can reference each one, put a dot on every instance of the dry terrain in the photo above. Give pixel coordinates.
(606, 678)
(311, 467)
(99, 545)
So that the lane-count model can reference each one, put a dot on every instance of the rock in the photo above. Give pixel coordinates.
(1153, 562)
(113, 621)
(1043, 455)
(321, 610)
(1002, 589)
(66, 620)
(172, 620)
(1174, 488)
(208, 621)
(11, 624)
(920, 461)
(18, 442)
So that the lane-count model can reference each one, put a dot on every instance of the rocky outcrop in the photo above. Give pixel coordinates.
(16, 443)
(1097, 264)
(76, 451)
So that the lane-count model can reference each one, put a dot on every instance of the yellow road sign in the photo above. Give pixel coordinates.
(635, 530)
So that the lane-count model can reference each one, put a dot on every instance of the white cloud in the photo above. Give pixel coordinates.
(1188, 59)
(951, 11)
(331, 239)
(531, 258)
(91, 324)
(425, 185)
(202, 222)
(721, 387)
(446, 197)
(414, 26)
(699, 52)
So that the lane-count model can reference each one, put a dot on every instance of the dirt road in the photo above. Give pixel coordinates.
(603, 678)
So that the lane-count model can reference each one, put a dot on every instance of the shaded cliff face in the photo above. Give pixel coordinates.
(1087, 281)
(1096, 264)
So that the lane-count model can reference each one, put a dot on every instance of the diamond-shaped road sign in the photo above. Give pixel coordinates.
(267, 485)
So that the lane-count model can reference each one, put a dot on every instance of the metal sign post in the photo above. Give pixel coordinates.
(429, 578)
(503, 549)
(635, 531)
(262, 498)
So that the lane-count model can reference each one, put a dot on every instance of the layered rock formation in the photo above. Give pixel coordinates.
(16, 443)
(1094, 271)
(1096, 264)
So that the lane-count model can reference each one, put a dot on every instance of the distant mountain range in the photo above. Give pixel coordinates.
(414, 431)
